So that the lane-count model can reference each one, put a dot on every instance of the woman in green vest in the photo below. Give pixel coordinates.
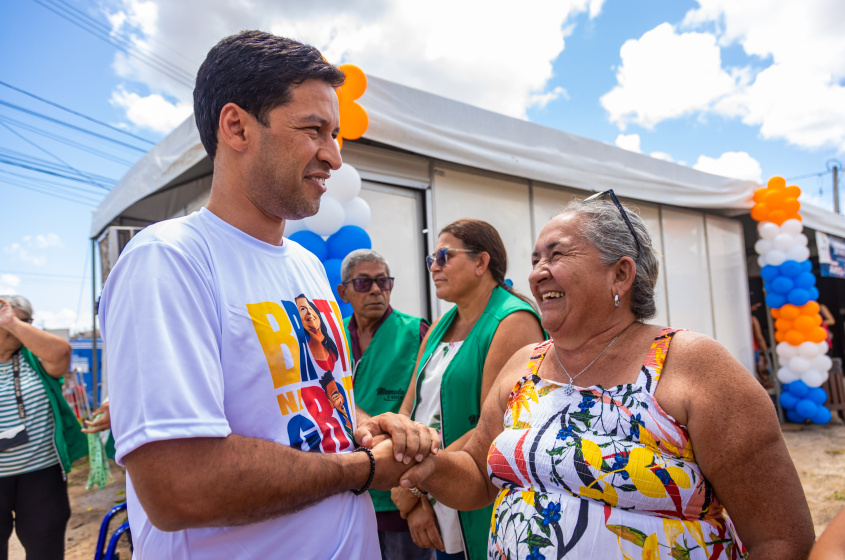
(457, 364)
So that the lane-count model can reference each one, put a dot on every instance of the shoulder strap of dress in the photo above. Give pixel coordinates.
(537, 355)
(657, 356)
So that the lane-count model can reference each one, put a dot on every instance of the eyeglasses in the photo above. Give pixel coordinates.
(441, 256)
(624, 217)
(385, 283)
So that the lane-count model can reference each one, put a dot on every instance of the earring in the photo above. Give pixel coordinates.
(616, 300)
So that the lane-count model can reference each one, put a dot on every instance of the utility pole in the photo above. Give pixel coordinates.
(834, 165)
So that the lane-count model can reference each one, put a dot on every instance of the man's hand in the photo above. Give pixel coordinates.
(411, 440)
(423, 526)
(388, 470)
(99, 424)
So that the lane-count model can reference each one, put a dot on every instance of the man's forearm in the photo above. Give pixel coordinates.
(213, 482)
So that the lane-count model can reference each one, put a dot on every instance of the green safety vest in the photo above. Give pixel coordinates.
(71, 443)
(382, 376)
(460, 394)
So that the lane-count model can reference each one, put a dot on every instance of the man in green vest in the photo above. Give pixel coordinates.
(384, 344)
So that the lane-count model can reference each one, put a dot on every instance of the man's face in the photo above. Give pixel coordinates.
(370, 304)
(296, 153)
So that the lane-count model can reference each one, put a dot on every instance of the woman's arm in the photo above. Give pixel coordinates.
(738, 444)
(52, 351)
(831, 545)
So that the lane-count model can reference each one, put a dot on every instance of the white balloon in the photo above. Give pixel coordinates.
(357, 213)
(801, 240)
(775, 257)
(761, 261)
(768, 230)
(822, 363)
(814, 378)
(799, 365)
(786, 351)
(792, 227)
(763, 246)
(808, 350)
(823, 347)
(783, 241)
(328, 219)
(293, 226)
(797, 253)
(344, 183)
(786, 375)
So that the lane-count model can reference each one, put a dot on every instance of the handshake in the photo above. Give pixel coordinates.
(397, 443)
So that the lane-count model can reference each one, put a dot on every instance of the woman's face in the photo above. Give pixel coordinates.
(571, 285)
(458, 275)
(310, 319)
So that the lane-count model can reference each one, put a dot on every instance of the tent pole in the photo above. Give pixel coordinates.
(94, 372)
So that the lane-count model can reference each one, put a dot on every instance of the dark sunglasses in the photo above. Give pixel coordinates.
(385, 283)
(618, 204)
(441, 256)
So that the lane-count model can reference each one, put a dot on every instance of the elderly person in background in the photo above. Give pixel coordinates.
(612, 446)
(459, 361)
(39, 434)
(384, 344)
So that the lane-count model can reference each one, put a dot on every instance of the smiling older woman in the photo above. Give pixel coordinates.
(615, 447)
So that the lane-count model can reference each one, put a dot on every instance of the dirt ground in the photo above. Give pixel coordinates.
(817, 451)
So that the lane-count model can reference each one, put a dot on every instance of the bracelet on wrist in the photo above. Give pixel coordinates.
(372, 471)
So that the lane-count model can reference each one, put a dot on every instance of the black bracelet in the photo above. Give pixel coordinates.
(372, 471)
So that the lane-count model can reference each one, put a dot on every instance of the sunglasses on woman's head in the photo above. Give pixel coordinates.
(385, 283)
(609, 193)
(441, 256)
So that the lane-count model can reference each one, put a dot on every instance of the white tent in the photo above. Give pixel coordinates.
(427, 160)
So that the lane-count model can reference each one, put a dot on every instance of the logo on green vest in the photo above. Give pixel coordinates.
(390, 394)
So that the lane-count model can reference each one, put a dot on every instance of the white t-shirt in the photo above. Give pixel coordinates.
(205, 338)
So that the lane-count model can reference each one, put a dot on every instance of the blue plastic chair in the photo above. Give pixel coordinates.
(104, 529)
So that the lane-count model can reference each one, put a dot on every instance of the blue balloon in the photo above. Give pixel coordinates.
(332, 267)
(508, 282)
(347, 239)
(822, 416)
(805, 280)
(775, 301)
(798, 388)
(813, 293)
(817, 395)
(790, 269)
(806, 408)
(769, 272)
(780, 285)
(806, 266)
(798, 297)
(788, 400)
(793, 416)
(312, 242)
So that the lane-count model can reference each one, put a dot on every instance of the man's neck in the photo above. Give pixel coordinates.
(234, 208)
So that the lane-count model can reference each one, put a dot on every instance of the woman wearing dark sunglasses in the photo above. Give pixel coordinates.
(458, 363)
(590, 448)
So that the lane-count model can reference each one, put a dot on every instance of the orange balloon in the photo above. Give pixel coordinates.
(777, 217)
(777, 182)
(760, 212)
(794, 338)
(817, 335)
(353, 121)
(774, 199)
(789, 312)
(779, 336)
(793, 191)
(791, 205)
(810, 308)
(356, 81)
(776, 313)
(759, 194)
(783, 325)
(339, 141)
(804, 324)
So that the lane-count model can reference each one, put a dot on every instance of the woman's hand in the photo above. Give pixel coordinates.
(99, 424)
(423, 525)
(404, 499)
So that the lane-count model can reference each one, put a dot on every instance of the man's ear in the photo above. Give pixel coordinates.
(341, 291)
(233, 125)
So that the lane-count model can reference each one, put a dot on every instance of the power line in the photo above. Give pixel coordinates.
(48, 193)
(41, 170)
(808, 175)
(19, 159)
(77, 113)
(39, 181)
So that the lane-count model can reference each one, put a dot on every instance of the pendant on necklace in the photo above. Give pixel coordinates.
(568, 389)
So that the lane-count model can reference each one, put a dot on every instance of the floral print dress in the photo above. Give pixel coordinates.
(601, 474)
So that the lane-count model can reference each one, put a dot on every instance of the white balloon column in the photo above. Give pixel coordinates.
(791, 294)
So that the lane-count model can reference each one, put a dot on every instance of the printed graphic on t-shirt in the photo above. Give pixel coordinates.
(308, 357)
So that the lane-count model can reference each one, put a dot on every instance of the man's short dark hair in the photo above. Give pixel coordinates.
(256, 71)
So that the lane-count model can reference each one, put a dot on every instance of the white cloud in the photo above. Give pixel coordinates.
(9, 284)
(497, 55)
(63, 319)
(737, 165)
(630, 142)
(662, 156)
(30, 247)
(665, 74)
(540, 100)
(153, 111)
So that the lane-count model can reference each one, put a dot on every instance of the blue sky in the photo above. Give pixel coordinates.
(745, 89)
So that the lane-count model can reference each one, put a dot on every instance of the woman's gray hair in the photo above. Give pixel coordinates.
(21, 303)
(357, 257)
(603, 226)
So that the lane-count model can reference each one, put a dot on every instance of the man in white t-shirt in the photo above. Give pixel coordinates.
(233, 414)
